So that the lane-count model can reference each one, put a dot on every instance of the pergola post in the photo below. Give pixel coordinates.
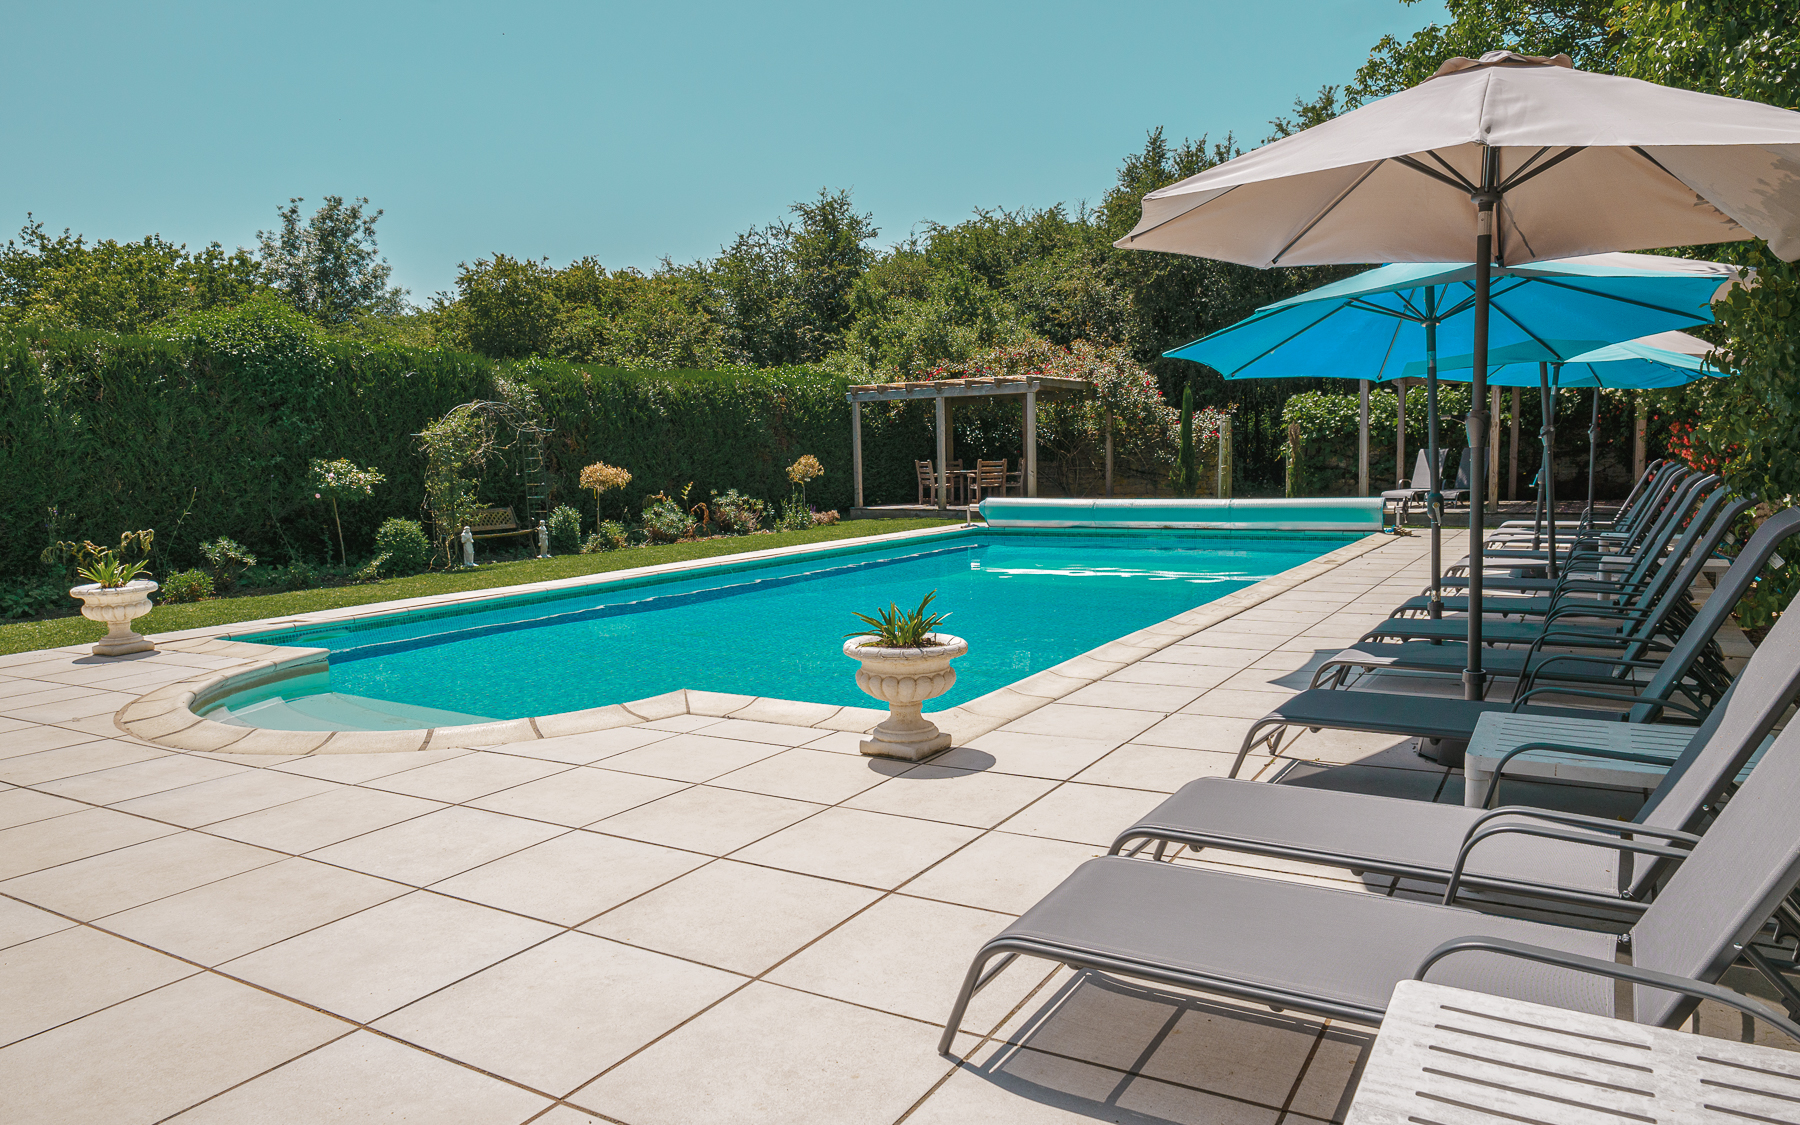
(941, 490)
(1031, 439)
(856, 448)
(1109, 453)
(1493, 446)
(1638, 443)
(1512, 470)
(1362, 437)
(1400, 433)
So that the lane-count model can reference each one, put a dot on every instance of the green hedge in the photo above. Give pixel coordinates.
(206, 429)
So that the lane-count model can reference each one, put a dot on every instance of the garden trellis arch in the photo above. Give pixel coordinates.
(446, 457)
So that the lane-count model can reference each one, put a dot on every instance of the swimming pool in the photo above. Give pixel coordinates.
(1024, 600)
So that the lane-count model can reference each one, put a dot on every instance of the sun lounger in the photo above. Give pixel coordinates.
(1635, 644)
(1649, 607)
(1497, 849)
(1340, 953)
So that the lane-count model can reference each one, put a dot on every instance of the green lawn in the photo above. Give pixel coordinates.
(27, 635)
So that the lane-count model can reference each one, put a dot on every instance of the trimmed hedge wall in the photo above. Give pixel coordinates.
(207, 429)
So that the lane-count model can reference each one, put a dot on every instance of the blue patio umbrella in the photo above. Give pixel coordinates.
(1372, 325)
(1667, 359)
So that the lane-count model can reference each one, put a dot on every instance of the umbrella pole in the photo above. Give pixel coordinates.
(1547, 433)
(1587, 515)
(1434, 500)
(1474, 679)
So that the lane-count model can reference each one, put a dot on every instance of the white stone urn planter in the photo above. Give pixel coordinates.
(117, 608)
(904, 678)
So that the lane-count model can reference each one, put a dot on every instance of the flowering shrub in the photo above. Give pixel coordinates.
(665, 521)
(565, 530)
(187, 586)
(736, 514)
(611, 535)
(332, 481)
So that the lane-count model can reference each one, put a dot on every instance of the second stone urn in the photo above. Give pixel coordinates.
(904, 678)
(116, 607)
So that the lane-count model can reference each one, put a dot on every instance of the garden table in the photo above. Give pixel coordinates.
(1462, 1058)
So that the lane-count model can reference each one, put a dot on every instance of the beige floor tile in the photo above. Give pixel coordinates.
(1107, 723)
(130, 876)
(362, 1079)
(1003, 872)
(73, 972)
(35, 739)
(90, 755)
(1269, 680)
(832, 1064)
(566, 1115)
(148, 1058)
(89, 703)
(62, 839)
(369, 964)
(354, 769)
(690, 757)
(1204, 656)
(1223, 635)
(466, 778)
(1084, 814)
(878, 959)
(1162, 769)
(1199, 676)
(704, 819)
(209, 801)
(313, 822)
(1331, 1077)
(1232, 703)
(871, 849)
(438, 845)
(980, 799)
(748, 730)
(20, 922)
(579, 797)
(1030, 755)
(677, 724)
(839, 742)
(1200, 732)
(571, 878)
(1251, 1054)
(812, 775)
(27, 806)
(1005, 1085)
(734, 915)
(121, 783)
(216, 922)
(558, 1014)
(1138, 697)
(586, 748)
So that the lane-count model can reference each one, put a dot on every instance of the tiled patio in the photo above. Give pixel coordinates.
(699, 918)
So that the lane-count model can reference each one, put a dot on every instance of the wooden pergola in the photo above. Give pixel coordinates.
(1029, 387)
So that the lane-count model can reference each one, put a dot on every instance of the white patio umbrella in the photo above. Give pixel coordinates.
(1570, 163)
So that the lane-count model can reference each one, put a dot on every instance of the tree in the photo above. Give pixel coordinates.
(64, 282)
(1186, 477)
(505, 307)
(333, 481)
(330, 268)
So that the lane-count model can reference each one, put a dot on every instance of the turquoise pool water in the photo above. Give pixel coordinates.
(1023, 600)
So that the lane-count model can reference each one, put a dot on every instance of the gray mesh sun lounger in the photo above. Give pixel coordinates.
(1339, 953)
(1666, 588)
(1634, 644)
(1578, 575)
(1514, 850)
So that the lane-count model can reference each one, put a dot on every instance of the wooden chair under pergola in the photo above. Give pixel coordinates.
(1031, 388)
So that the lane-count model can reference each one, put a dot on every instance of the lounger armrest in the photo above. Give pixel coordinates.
(1487, 800)
(1583, 820)
(1586, 693)
(1650, 978)
(1567, 835)
(1581, 658)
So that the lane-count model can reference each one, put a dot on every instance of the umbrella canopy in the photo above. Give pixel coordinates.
(1521, 159)
(1586, 163)
(1374, 325)
(1667, 359)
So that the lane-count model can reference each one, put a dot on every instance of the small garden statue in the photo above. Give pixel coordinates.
(468, 542)
(543, 538)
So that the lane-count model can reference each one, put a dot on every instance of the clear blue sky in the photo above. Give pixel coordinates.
(627, 131)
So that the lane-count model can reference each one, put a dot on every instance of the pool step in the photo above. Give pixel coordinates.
(338, 711)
